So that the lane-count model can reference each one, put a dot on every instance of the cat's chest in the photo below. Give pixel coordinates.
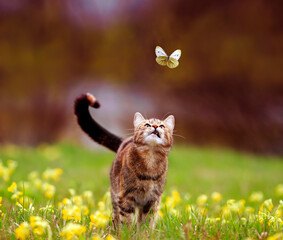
(146, 192)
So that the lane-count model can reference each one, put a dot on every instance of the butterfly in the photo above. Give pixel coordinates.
(163, 59)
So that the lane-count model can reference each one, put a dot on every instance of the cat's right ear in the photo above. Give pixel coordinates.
(138, 119)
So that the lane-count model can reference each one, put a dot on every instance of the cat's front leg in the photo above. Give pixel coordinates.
(149, 212)
(126, 212)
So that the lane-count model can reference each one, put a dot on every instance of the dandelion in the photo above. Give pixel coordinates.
(256, 197)
(216, 197)
(23, 231)
(72, 231)
(201, 200)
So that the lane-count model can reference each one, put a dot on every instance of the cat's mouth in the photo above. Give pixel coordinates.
(156, 133)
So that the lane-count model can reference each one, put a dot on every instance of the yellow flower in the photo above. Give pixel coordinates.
(5, 172)
(216, 197)
(23, 231)
(33, 175)
(72, 212)
(72, 230)
(12, 188)
(52, 174)
(267, 205)
(25, 201)
(67, 201)
(40, 226)
(160, 213)
(99, 219)
(277, 236)
(279, 190)
(96, 237)
(256, 197)
(110, 237)
(201, 200)
(49, 190)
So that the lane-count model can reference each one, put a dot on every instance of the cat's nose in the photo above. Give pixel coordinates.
(155, 126)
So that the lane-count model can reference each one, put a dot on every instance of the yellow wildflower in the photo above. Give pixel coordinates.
(216, 197)
(23, 231)
(67, 201)
(5, 172)
(277, 236)
(13, 187)
(33, 175)
(77, 199)
(160, 213)
(25, 201)
(96, 237)
(267, 205)
(72, 230)
(40, 226)
(99, 219)
(110, 237)
(49, 190)
(72, 212)
(256, 197)
(201, 200)
(52, 174)
(279, 190)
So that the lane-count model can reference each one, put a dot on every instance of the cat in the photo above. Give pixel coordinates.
(138, 173)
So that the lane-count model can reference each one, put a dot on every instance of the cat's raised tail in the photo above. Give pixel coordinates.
(90, 126)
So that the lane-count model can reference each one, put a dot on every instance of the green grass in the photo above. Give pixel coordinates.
(192, 171)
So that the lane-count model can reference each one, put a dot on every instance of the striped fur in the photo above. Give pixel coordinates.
(138, 172)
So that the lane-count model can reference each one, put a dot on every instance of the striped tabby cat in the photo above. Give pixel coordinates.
(138, 172)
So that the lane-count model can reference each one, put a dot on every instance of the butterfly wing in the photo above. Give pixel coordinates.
(172, 62)
(176, 54)
(162, 60)
(160, 52)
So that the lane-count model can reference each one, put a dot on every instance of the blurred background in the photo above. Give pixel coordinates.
(227, 90)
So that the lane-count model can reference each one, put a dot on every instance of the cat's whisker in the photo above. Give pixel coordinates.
(177, 135)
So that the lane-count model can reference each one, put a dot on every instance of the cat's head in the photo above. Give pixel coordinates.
(153, 131)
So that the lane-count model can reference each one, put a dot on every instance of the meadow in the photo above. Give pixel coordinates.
(62, 192)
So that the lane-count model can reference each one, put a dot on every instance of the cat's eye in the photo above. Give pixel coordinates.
(147, 125)
(162, 126)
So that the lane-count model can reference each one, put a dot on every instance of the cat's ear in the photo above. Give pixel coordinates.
(138, 119)
(170, 122)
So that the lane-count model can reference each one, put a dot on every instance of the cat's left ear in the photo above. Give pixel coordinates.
(138, 119)
(170, 122)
